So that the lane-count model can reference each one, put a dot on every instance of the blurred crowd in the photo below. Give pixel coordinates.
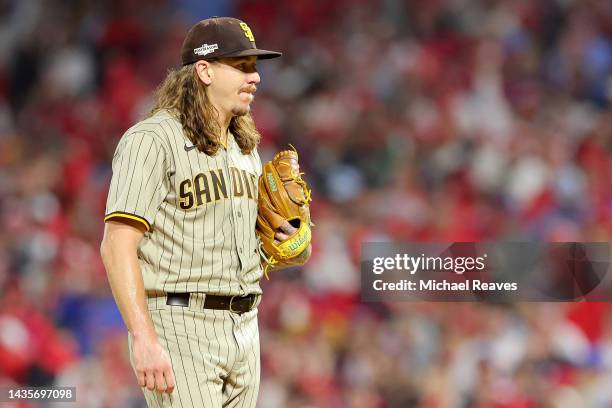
(421, 120)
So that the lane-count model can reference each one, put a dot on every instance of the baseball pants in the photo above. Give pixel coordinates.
(214, 354)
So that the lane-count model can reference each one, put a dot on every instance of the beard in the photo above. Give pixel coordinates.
(241, 111)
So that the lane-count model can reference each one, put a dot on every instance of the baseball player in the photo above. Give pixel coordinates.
(179, 245)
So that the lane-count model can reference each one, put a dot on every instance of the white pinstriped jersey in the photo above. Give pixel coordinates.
(199, 210)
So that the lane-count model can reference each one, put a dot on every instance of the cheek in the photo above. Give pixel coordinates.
(237, 82)
(228, 87)
(225, 94)
(231, 88)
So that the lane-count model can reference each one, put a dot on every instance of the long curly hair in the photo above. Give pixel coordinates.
(184, 95)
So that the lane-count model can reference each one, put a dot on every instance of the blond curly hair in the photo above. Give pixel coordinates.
(184, 95)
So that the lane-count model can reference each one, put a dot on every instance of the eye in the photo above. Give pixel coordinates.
(246, 66)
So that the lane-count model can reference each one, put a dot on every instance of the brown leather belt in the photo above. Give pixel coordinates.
(236, 304)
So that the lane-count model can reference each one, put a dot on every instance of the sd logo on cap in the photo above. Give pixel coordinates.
(221, 37)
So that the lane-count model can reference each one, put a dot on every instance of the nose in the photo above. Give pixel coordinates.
(253, 78)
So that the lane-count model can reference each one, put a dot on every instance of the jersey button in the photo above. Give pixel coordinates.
(239, 214)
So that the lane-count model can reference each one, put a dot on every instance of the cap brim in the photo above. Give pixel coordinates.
(260, 54)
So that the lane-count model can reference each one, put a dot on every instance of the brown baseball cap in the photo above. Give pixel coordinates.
(221, 37)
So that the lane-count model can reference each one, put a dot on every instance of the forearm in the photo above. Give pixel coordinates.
(124, 275)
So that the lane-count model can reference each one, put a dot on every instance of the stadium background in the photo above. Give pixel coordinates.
(449, 120)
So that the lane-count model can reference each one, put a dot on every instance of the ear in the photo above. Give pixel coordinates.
(204, 71)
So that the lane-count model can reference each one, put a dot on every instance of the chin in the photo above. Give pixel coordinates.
(241, 111)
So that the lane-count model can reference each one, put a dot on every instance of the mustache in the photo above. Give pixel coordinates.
(250, 89)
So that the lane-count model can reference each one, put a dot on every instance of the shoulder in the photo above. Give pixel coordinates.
(160, 129)
(161, 125)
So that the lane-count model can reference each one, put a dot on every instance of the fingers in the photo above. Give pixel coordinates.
(153, 369)
(280, 237)
(140, 375)
(170, 383)
(287, 228)
(150, 380)
(160, 381)
(165, 378)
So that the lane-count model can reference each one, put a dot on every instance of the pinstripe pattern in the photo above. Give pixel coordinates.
(214, 354)
(208, 248)
(201, 211)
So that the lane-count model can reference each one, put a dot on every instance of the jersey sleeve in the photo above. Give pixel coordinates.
(138, 185)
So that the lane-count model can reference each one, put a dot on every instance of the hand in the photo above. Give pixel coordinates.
(152, 364)
(286, 230)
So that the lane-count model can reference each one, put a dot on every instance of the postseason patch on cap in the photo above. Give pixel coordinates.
(205, 49)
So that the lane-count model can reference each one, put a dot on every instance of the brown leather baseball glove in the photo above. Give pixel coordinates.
(283, 213)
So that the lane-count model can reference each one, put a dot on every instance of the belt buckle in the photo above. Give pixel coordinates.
(230, 305)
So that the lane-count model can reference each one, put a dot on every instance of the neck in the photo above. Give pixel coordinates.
(224, 122)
